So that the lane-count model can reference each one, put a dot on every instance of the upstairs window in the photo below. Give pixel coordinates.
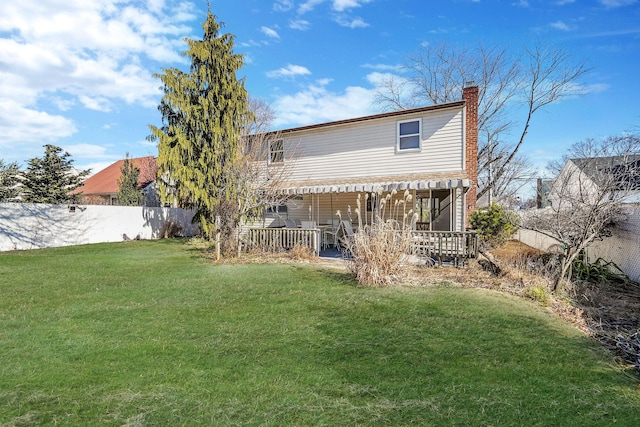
(409, 135)
(276, 151)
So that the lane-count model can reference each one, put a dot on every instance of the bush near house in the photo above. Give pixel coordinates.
(495, 225)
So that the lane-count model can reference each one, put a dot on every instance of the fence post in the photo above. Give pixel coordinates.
(218, 246)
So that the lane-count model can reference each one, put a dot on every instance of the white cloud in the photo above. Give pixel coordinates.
(316, 104)
(63, 104)
(94, 167)
(97, 103)
(341, 5)
(20, 125)
(88, 151)
(270, 32)
(289, 71)
(337, 5)
(299, 24)
(378, 79)
(521, 3)
(283, 5)
(383, 67)
(308, 6)
(559, 25)
(350, 23)
(591, 88)
(88, 53)
(617, 3)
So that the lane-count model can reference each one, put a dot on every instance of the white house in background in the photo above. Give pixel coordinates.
(582, 179)
(622, 173)
(612, 176)
(430, 151)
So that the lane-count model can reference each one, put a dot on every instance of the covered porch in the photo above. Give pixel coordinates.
(440, 203)
(319, 215)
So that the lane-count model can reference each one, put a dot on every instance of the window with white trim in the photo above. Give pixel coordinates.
(276, 151)
(276, 211)
(409, 135)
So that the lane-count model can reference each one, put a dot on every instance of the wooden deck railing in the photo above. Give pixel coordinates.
(459, 245)
(280, 239)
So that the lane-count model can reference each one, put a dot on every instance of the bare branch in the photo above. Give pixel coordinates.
(551, 78)
(506, 83)
(588, 194)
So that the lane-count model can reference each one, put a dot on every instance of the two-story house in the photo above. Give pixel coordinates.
(430, 151)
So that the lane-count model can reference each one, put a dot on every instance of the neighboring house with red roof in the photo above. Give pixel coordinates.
(102, 187)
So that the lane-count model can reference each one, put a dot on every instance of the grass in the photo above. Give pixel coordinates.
(150, 333)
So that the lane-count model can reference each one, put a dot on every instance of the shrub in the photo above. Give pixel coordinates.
(597, 271)
(302, 253)
(540, 294)
(495, 225)
(379, 249)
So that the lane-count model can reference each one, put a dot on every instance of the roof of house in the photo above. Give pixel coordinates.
(106, 181)
(624, 169)
(455, 104)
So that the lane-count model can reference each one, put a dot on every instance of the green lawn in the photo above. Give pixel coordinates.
(149, 333)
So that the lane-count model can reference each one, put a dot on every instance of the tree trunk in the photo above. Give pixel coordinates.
(494, 266)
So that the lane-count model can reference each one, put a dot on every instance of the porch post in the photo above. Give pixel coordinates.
(430, 209)
(452, 203)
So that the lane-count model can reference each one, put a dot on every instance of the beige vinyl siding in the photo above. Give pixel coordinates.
(368, 149)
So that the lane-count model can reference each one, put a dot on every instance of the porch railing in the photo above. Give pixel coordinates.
(280, 239)
(459, 245)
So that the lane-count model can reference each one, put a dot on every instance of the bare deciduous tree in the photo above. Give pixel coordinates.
(263, 116)
(519, 174)
(509, 85)
(259, 181)
(588, 194)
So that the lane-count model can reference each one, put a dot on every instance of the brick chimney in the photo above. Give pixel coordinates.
(470, 96)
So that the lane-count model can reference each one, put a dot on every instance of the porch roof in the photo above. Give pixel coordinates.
(369, 185)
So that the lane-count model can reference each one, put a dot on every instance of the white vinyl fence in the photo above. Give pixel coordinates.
(32, 226)
(623, 247)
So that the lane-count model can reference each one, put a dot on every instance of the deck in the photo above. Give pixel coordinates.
(458, 246)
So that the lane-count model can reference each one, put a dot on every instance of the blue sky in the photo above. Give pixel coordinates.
(78, 73)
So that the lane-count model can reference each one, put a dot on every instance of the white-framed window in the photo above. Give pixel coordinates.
(276, 211)
(276, 151)
(409, 135)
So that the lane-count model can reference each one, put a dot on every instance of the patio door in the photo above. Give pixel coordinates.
(435, 210)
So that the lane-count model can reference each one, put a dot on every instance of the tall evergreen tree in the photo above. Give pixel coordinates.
(128, 192)
(203, 114)
(9, 181)
(50, 179)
